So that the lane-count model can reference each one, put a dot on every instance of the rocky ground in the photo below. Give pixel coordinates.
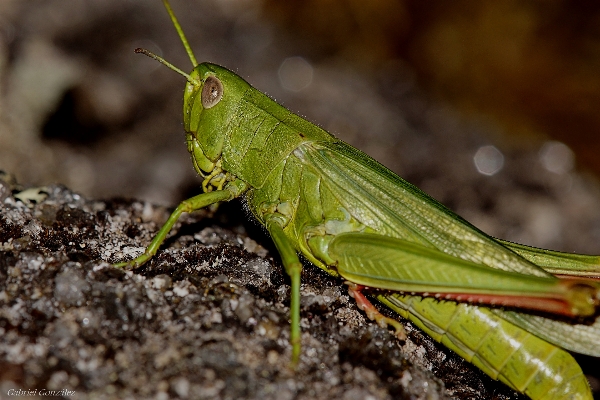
(207, 318)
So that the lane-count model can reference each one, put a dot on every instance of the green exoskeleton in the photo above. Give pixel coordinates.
(356, 219)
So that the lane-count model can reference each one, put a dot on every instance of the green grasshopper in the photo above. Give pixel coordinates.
(355, 219)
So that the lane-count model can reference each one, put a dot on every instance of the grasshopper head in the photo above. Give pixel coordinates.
(209, 104)
(210, 100)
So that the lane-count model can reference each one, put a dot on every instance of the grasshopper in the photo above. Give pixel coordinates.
(493, 302)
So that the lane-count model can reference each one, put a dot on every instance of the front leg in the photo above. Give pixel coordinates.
(189, 205)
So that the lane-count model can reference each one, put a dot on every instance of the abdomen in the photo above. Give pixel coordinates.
(502, 350)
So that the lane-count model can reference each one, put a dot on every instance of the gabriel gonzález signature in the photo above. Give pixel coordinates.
(40, 392)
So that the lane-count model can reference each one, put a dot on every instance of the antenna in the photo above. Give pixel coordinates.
(188, 49)
(166, 63)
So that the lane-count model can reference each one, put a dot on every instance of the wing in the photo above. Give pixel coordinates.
(577, 337)
(557, 262)
(393, 207)
(414, 229)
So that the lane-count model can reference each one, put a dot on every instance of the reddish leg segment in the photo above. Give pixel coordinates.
(373, 314)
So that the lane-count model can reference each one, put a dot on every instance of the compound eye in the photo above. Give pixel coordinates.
(212, 91)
